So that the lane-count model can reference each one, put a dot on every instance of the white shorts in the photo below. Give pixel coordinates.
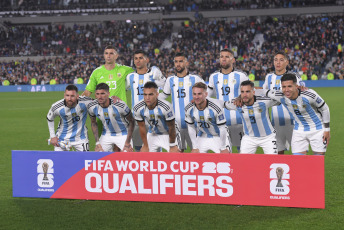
(205, 144)
(267, 143)
(156, 142)
(236, 133)
(302, 139)
(108, 142)
(284, 135)
(80, 146)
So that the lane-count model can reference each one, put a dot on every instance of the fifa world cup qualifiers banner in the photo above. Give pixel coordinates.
(240, 179)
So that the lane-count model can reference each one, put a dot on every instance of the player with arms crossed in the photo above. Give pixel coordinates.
(207, 113)
(117, 119)
(111, 73)
(258, 129)
(158, 115)
(136, 81)
(310, 113)
(281, 119)
(180, 88)
(225, 85)
(72, 130)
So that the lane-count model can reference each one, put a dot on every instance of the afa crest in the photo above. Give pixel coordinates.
(278, 82)
(295, 107)
(73, 114)
(181, 84)
(110, 76)
(225, 81)
(201, 118)
(250, 111)
(106, 114)
(152, 116)
(140, 82)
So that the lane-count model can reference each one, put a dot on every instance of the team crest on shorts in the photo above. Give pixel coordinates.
(119, 75)
(250, 111)
(110, 76)
(180, 84)
(295, 107)
(106, 114)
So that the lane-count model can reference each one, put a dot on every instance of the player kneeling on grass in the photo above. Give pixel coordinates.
(72, 131)
(206, 122)
(116, 117)
(257, 127)
(310, 113)
(159, 117)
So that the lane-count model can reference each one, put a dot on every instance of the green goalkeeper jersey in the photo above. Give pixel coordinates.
(115, 78)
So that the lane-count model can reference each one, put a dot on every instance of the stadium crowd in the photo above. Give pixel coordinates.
(173, 5)
(310, 42)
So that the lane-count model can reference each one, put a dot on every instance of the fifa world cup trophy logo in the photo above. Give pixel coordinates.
(279, 173)
(45, 167)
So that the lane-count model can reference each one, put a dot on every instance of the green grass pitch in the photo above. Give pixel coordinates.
(24, 127)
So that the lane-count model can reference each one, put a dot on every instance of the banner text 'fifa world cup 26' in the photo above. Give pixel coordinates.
(244, 179)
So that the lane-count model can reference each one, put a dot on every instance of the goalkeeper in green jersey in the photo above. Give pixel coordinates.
(111, 73)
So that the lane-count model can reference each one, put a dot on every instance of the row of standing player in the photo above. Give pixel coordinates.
(225, 84)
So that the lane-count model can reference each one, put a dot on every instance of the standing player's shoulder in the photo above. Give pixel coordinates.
(139, 105)
(262, 98)
(92, 103)
(294, 73)
(214, 73)
(240, 71)
(215, 104)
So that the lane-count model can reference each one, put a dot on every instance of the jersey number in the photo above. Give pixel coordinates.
(107, 121)
(112, 84)
(139, 91)
(76, 119)
(225, 90)
(297, 112)
(204, 125)
(253, 119)
(181, 93)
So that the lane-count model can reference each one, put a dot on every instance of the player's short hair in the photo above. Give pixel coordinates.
(289, 77)
(140, 52)
(281, 53)
(247, 82)
(227, 50)
(180, 54)
(200, 85)
(103, 86)
(110, 47)
(71, 88)
(150, 85)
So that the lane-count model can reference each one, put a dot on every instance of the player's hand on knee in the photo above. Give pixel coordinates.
(326, 137)
(99, 148)
(224, 151)
(174, 149)
(195, 150)
(144, 148)
(54, 141)
(128, 148)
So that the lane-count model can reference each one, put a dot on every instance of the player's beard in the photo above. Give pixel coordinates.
(226, 66)
(71, 104)
(180, 70)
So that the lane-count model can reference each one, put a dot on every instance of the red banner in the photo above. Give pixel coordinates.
(241, 179)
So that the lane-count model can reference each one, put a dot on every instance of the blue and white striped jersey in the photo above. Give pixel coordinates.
(113, 117)
(136, 81)
(256, 120)
(227, 87)
(280, 115)
(304, 109)
(181, 90)
(207, 120)
(156, 118)
(72, 126)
